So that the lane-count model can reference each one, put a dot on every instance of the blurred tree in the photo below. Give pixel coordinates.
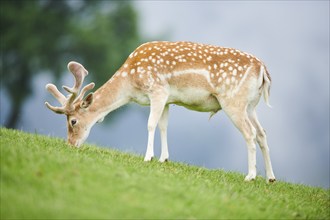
(42, 36)
(106, 39)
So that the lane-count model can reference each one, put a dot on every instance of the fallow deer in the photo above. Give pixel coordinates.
(199, 77)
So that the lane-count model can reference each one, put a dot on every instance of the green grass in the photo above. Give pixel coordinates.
(43, 177)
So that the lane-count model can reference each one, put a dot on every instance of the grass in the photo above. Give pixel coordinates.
(44, 178)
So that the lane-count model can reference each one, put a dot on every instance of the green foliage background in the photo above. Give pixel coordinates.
(42, 36)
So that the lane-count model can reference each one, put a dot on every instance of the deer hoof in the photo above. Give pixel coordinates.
(272, 180)
(148, 159)
(249, 178)
(163, 160)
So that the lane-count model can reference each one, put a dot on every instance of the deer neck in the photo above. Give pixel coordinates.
(109, 97)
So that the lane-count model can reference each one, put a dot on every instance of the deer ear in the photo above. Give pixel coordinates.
(87, 101)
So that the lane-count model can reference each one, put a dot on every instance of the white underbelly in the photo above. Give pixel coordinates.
(191, 98)
(189, 88)
(194, 98)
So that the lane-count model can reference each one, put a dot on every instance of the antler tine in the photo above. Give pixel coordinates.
(83, 91)
(79, 73)
(52, 89)
(58, 110)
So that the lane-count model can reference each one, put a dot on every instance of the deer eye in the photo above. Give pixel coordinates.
(73, 122)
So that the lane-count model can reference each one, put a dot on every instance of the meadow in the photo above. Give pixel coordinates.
(44, 178)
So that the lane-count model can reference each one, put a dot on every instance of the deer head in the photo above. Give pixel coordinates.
(74, 106)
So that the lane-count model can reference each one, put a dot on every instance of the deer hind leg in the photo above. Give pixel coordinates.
(262, 141)
(162, 124)
(157, 104)
(240, 118)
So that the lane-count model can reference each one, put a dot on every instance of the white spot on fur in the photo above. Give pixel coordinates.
(140, 69)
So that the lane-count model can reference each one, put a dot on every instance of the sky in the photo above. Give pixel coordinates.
(291, 38)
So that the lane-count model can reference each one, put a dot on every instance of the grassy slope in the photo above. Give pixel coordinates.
(43, 177)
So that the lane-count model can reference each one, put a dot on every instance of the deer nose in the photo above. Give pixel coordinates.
(74, 143)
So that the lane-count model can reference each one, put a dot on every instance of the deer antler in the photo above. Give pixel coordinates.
(79, 73)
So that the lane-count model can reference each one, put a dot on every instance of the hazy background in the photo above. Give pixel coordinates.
(292, 38)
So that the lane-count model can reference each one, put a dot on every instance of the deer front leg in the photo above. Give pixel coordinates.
(157, 104)
(163, 122)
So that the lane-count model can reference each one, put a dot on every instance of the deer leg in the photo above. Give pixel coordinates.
(262, 141)
(162, 124)
(157, 104)
(241, 120)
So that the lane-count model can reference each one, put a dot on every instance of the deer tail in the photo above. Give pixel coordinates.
(265, 85)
